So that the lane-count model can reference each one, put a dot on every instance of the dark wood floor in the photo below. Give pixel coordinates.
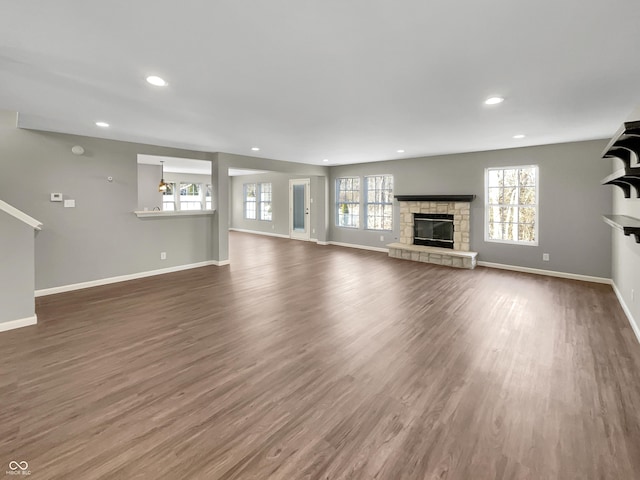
(301, 361)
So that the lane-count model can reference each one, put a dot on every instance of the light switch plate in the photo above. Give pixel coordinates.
(56, 197)
(69, 203)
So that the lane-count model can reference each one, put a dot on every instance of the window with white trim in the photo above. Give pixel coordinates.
(250, 201)
(265, 201)
(187, 196)
(348, 202)
(511, 205)
(169, 198)
(208, 203)
(190, 196)
(379, 202)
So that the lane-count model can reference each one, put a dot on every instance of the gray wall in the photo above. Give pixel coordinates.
(221, 164)
(101, 237)
(572, 202)
(280, 205)
(625, 257)
(185, 177)
(16, 269)
(148, 180)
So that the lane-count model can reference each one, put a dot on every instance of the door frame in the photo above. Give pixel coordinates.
(306, 235)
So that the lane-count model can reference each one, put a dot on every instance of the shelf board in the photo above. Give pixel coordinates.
(626, 138)
(166, 213)
(625, 179)
(628, 225)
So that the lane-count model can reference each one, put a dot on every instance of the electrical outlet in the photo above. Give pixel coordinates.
(313, 230)
(545, 257)
(382, 238)
(163, 255)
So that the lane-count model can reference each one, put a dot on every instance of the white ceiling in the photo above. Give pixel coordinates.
(346, 80)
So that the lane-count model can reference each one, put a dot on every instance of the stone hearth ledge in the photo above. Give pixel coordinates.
(436, 255)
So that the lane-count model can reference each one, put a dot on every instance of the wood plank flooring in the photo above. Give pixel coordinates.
(301, 361)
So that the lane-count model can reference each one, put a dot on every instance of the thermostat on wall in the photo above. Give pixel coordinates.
(56, 197)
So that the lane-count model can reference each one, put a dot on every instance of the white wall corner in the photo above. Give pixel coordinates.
(627, 312)
(22, 322)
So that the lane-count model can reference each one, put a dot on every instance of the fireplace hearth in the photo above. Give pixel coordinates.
(435, 229)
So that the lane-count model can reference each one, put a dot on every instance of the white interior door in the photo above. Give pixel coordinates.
(299, 209)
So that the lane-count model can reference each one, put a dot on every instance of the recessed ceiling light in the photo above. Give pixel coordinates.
(400, 151)
(325, 160)
(102, 124)
(255, 149)
(157, 81)
(493, 100)
(519, 136)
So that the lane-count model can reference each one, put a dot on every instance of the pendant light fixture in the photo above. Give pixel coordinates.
(162, 187)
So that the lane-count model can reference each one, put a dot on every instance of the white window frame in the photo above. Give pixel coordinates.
(338, 202)
(367, 203)
(176, 196)
(262, 202)
(174, 202)
(207, 186)
(487, 205)
(200, 199)
(245, 202)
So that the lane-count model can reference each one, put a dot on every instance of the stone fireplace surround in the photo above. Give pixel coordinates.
(457, 205)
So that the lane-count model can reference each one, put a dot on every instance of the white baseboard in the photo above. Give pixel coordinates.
(22, 322)
(361, 247)
(627, 312)
(256, 232)
(124, 278)
(322, 243)
(549, 273)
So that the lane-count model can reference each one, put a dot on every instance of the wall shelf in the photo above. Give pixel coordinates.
(628, 225)
(625, 179)
(165, 213)
(625, 144)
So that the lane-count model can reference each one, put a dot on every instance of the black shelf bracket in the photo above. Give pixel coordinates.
(628, 225)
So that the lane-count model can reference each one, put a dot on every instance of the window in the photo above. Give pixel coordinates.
(190, 196)
(265, 201)
(348, 202)
(168, 198)
(379, 202)
(250, 201)
(193, 196)
(512, 205)
(208, 204)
